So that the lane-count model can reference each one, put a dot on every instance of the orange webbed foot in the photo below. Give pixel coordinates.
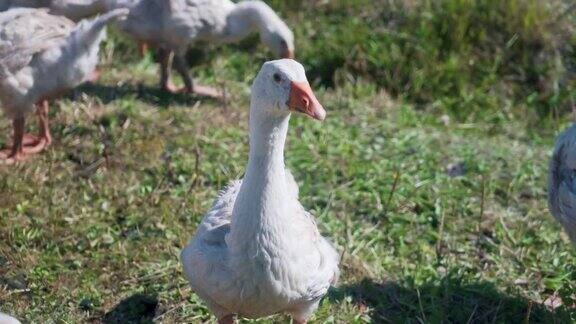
(94, 76)
(209, 92)
(171, 88)
(10, 158)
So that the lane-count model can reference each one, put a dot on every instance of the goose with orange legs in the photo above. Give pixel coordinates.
(42, 56)
(172, 26)
(258, 252)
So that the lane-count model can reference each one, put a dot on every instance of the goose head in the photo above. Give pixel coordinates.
(280, 39)
(274, 32)
(255, 15)
(281, 87)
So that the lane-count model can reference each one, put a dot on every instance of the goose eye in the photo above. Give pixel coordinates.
(277, 77)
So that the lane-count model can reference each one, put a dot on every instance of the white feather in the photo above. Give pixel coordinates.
(7, 319)
(42, 55)
(175, 24)
(562, 182)
(75, 10)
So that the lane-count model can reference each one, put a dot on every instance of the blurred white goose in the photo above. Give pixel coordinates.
(173, 25)
(258, 252)
(7, 319)
(9, 4)
(562, 181)
(75, 10)
(41, 56)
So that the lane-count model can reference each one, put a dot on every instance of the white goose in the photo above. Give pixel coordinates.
(173, 25)
(41, 56)
(75, 10)
(7, 319)
(258, 252)
(562, 181)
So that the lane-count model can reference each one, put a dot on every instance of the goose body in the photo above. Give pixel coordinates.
(174, 25)
(75, 10)
(9, 4)
(562, 182)
(257, 251)
(7, 319)
(41, 56)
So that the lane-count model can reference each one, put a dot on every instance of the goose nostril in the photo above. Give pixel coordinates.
(306, 102)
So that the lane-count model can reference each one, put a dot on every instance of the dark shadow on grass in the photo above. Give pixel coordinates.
(150, 95)
(450, 301)
(138, 308)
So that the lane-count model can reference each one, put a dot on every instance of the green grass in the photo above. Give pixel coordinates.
(437, 204)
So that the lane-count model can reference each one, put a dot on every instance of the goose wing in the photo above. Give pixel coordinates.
(205, 258)
(320, 261)
(562, 182)
(25, 32)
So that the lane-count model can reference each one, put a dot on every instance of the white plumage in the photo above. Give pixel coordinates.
(7, 319)
(42, 55)
(562, 181)
(257, 251)
(174, 25)
(75, 10)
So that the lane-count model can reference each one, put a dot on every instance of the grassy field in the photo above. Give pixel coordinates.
(429, 173)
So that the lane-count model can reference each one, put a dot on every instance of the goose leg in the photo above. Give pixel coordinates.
(16, 153)
(94, 76)
(34, 144)
(29, 140)
(44, 138)
(227, 320)
(44, 125)
(166, 84)
(190, 87)
(142, 48)
(182, 69)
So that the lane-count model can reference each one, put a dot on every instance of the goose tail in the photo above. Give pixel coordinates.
(90, 31)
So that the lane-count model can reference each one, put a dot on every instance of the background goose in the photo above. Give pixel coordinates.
(42, 55)
(172, 25)
(8, 4)
(7, 319)
(258, 252)
(562, 181)
(75, 10)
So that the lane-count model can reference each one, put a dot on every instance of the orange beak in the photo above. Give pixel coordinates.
(303, 100)
(288, 54)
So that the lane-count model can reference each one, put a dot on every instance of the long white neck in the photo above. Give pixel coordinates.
(260, 210)
(248, 17)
